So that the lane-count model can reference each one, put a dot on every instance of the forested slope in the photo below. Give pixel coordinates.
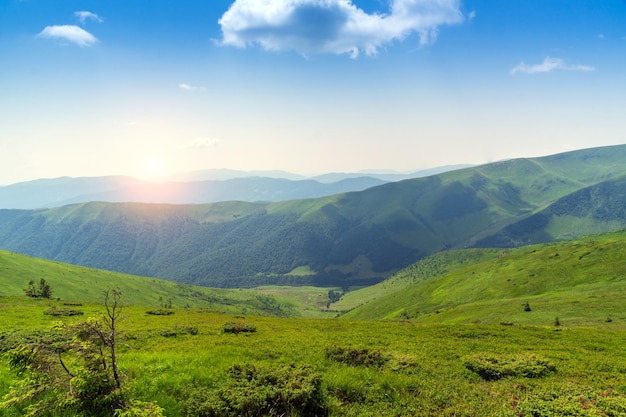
(350, 239)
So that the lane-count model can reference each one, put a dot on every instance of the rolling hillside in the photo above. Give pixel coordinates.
(598, 208)
(75, 284)
(580, 282)
(348, 240)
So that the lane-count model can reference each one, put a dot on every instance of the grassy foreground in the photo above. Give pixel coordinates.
(409, 369)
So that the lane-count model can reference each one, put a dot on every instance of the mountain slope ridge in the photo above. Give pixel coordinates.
(348, 239)
(580, 281)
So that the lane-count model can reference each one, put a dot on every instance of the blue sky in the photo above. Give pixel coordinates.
(153, 87)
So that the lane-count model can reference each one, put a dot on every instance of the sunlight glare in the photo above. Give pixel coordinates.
(153, 167)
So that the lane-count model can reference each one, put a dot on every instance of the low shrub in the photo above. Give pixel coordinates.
(160, 312)
(252, 391)
(356, 357)
(492, 367)
(397, 362)
(179, 331)
(14, 338)
(58, 312)
(239, 327)
(571, 402)
(140, 409)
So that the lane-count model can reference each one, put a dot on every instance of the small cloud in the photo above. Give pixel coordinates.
(548, 65)
(188, 87)
(333, 26)
(70, 33)
(471, 15)
(83, 16)
(201, 143)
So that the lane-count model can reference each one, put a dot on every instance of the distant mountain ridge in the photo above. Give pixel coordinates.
(48, 193)
(347, 239)
(384, 175)
(197, 187)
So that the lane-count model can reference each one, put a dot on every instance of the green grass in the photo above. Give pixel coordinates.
(427, 268)
(309, 301)
(301, 271)
(583, 282)
(72, 283)
(424, 371)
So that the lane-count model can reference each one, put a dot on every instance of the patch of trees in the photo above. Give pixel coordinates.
(334, 296)
(44, 290)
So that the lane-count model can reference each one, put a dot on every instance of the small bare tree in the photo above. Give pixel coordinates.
(89, 382)
(113, 314)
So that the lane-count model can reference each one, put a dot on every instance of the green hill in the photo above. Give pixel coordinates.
(595, 209)
(580, 282)
(426, 268)
(346, 240)
(75, 284)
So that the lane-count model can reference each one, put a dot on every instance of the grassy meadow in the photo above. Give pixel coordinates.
(427, 370)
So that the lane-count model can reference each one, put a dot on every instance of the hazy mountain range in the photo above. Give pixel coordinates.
(196, 187)
(346, 239)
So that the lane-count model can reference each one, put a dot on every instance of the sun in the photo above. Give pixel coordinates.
(153, 166)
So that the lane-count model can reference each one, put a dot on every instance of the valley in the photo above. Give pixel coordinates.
(488, 291)
(350, 239)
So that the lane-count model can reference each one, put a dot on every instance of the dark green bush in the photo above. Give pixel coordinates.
(57, 312)
(572, 401)
(239, 327)
(179, 331)
(356, 357)
(252, 391)
(492, 367)
(160, 312)
(140, 409)
(14, 338)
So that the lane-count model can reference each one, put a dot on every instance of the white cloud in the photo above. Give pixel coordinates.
(200, 143)
(188, 87)
(70, 33)
(333, 26)
(83, 16)
(548, 65)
